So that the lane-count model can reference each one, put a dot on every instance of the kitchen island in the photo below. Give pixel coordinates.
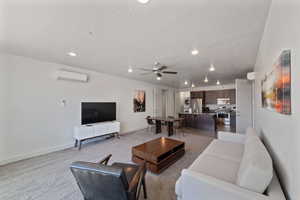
(203, 121)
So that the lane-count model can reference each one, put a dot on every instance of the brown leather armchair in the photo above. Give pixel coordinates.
(119, 181)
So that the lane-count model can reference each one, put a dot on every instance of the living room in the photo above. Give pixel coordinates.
(173, 78)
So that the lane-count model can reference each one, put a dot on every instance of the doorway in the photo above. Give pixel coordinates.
(164, 103)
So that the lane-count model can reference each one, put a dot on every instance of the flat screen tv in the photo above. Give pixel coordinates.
(92, 112)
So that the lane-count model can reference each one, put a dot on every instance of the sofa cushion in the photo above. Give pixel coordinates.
(256, 169)
(217, 167)
(226, 150)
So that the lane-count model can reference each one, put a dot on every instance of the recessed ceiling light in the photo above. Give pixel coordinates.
(212, 68)
(185, 82)
(130, 70)
(195, 52)
(193, 85)
(72, 54)
(143, 1)
(206, 79)
(218, 82)
(158, 78)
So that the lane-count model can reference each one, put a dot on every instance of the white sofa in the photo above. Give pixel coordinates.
(233, 167)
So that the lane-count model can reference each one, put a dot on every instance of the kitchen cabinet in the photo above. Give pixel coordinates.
(202, 121)
(197, 95)
(225, 94)
(210, 97)
(232, 96)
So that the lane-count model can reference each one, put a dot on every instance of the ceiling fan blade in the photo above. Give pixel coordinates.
(144, 69)
(162, 68)
(146, 73)
(169, 72)
(159, 75)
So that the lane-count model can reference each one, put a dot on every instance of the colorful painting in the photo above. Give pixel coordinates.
(139, 101)
(276, 87)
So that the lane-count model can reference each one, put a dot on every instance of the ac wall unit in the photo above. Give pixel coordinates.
(71, 76)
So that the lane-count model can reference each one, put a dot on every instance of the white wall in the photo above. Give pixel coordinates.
(37, 122)
(3, 107)
(281, 132)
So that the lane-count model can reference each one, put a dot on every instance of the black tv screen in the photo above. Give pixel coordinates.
(92, 112)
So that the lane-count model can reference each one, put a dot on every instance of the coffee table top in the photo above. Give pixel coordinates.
(157, 146)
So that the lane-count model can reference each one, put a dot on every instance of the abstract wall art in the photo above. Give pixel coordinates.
(139, 101)
(276, 86)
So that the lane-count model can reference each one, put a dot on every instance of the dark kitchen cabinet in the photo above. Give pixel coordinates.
(199, 121)
(210, 97)
(226, 94)
(232, 96)
(197, 95)
(188, 120)
(220, 94)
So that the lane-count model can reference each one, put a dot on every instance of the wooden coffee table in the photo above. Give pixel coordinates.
(159, 154)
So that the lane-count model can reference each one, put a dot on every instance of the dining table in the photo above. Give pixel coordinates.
(167, 120)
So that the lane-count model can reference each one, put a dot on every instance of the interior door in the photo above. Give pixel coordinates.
(164, 103)
(243, 105)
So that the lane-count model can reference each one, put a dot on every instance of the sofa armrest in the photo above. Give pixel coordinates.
(178, 189)
(195, 186)
(232, 137)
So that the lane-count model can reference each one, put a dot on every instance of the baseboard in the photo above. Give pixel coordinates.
(134, 131)
(34, 154)
(46, 151)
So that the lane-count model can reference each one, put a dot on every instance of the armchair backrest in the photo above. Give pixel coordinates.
(99, 182)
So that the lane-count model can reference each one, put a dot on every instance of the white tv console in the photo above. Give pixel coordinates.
(84, 132)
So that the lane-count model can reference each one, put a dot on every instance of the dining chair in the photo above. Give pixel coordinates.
(150, 123)
(178, 126)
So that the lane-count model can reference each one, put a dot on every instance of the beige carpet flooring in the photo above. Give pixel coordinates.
(48, 177)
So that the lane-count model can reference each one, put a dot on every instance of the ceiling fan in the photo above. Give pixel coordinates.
(158, 70)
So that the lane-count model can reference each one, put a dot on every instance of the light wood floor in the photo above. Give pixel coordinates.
(48, 177)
